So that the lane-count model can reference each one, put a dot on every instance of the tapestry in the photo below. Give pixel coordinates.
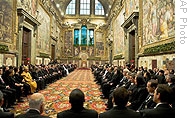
(43, 41)
(68, 43)
(158, 20)
(118, 33)
(6, 21)
(59, 42)
(53, 27)
(130, 6)
(99, 48)
(30, 6)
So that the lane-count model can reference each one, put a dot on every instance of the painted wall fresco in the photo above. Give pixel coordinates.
(99, 48)
(130, 6)
(118, 33)
(43, 31)
(29, 5)
(158, 20)
(90, 51)
(98, 36)
(76, 51)
(6, 20)
(68, 43)
(59, 44)
(163, 61)
(53, 27)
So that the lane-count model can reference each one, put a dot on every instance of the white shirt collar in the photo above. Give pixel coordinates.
(159, 104)
(34, 109)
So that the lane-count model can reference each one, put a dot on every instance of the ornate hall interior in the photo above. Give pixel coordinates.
(86, 32)
(84, 35)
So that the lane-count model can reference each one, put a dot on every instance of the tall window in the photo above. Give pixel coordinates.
(76, 37)
(91, 37)
(85, 7)
(84, 36)
(71, 8)
(99, 10)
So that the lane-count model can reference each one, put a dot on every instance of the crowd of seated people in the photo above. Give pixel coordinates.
(19, 82)
(131, 92)
(140, 82)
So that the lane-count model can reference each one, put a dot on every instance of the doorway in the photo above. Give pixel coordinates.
(154, 64)
(132, 46)
(53, 52)
(26, 46)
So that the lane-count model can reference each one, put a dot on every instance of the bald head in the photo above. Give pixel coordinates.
(36, 101)
(76, 96)
(37, 96)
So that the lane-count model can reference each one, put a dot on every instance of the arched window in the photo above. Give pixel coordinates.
(83, 36)
(85, 7)
(99, 10)
(71, 8)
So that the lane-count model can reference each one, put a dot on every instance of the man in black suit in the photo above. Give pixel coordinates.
(120, 98)
(36, 104)
(162, 96)
(170, 81)
(161, 78)
(76, 99)
(2, 113)
(9, 94)
(148, 102)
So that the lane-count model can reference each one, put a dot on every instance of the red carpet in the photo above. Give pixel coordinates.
(57, 93)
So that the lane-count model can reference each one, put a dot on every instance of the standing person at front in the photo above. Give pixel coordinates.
(120, 98)
(162, 96)
(36, 107)
(76, 99)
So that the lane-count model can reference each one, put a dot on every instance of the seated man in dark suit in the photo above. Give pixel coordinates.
(2, 113)
(76, 99)
(148, 102)
(120, 98)
(162, 96)
(36, 104)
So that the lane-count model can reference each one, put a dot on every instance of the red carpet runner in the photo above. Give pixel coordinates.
(57, 93)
